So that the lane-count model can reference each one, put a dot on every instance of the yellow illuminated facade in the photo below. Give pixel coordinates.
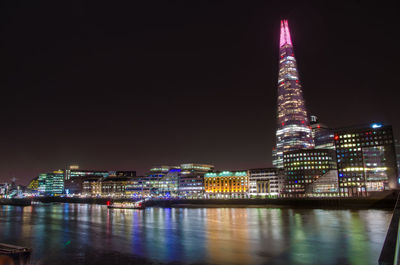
(226, 184)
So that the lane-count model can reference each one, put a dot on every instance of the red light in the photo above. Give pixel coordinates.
(318, 126)
(336, 137)
(283, 123)
(108, 203)
(302, 122)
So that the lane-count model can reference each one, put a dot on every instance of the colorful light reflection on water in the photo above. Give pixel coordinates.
(93, 234)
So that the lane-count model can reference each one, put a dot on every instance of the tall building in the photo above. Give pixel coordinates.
(293, 128)
(366, 159)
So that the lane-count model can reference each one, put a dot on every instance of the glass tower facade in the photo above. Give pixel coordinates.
(293, 128)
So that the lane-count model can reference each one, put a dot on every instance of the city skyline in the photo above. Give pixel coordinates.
(132, 93)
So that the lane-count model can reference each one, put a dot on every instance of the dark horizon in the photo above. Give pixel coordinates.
(114, 87)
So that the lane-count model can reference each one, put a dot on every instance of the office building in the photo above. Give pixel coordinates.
(138, 187)
(92, 186)
(114, 186)
(51, 184)
(321, 134)
(168, 184)
(191, 179)
(304, 167)
(226, 184)
(366, 159)
(326, 186)
(34, 184)
(75, 177)
(153, 179)
(265, 182)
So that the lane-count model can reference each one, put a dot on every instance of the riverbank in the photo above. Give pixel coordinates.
(387, 202)
(336, 203)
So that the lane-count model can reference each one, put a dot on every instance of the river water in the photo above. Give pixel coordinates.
(92, 234)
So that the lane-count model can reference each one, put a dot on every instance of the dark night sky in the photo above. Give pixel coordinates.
(127, 86)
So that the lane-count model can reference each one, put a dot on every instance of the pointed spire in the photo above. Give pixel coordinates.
(288, 39)
(282, 39)
(285, 34)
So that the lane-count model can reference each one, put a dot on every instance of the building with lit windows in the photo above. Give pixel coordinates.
(366, 159)
(304, 167)
(321, 134)
(226, 184)
(138, 187)
(397, 149)
(4, 188)
(92, 186)
(153, 179)
(51, 184)
(114, 186)
(34, 184)
(168, 185)
(326, 186)
(75, 177)
(191, 179)
(265, 182)
(293, 127)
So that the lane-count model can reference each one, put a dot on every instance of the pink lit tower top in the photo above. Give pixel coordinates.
(293, 128)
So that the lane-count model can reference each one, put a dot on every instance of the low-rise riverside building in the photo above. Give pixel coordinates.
(226, 184)
(92, 187)
(138, 187)
(191, 179)
(265, 182)
(74, 179)
(114, 186)
(169, 183)
(51, 184)
(34, 184)
(155, 178)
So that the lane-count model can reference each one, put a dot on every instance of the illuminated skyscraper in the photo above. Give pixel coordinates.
(293, 130)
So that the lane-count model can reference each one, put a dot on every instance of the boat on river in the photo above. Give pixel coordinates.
(139, 205)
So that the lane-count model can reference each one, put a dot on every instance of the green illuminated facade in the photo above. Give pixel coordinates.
(51, 184)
